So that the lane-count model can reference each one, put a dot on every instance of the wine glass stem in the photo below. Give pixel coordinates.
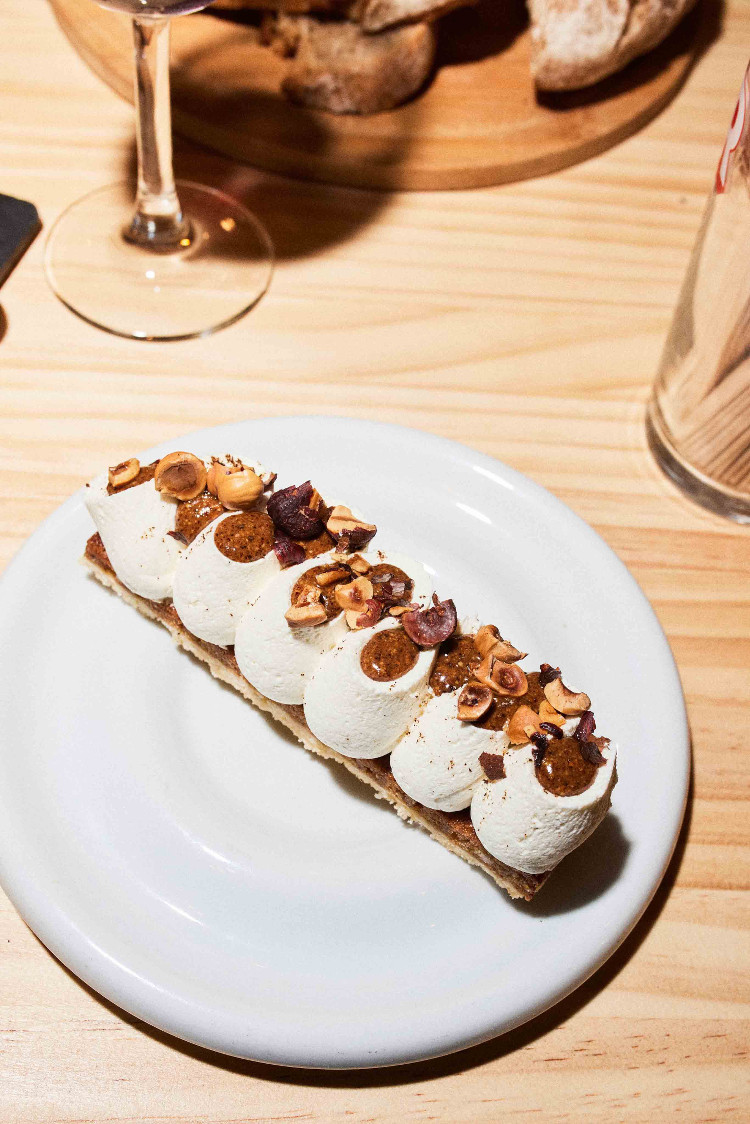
(158, 222)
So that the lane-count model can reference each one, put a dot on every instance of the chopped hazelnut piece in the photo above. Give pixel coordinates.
(473, 702)
(292, 514)
(366, 617)
(354, 595)
(330, 577)
(180, 475)
(488, 640)
(212, 474)
(307, 595)
(341, 519)
(306, 616)
(239, 488)
(350, 533)
(399, 610)
(357, 563)
(503, 678)
(124, 472)
(317, 504)
(565, 701)
(548, 713)
(522, 724)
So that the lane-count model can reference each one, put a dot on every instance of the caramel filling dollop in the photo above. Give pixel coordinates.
(193, 515)
(382, 576)
(563, 771)
(455, 664)
(245, 537)
(321, 544)
(388, 655)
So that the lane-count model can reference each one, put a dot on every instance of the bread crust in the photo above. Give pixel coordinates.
(338, 67)
(579, 42)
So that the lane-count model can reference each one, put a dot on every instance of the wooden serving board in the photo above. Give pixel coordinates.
(478, 122)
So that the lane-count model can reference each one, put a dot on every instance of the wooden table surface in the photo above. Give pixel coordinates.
(527, 322)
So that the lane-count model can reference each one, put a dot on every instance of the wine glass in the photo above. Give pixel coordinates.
(186, 259)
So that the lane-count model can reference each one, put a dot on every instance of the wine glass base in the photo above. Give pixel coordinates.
(694, 484)
(222, 271)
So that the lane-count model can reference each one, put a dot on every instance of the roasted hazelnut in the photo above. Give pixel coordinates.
(522, 724)
(238, 489)
(547, 713)
(341, 519)
(330, 577)
(503, 678)
(317, 504)
(124, 472)
(473, 702)
(306, 594)
(215, 467)
(357, 563)
(488, 640)
(431, 626)
(354, 595)
(180, 475)
(307, 615)
(366, 617)
(565, 701)
(399, 610)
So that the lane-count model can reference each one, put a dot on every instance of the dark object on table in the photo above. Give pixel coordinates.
(19, 226)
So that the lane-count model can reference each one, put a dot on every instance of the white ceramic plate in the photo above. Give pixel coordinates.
(192, 863)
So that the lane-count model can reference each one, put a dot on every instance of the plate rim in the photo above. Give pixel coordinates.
(59, 933)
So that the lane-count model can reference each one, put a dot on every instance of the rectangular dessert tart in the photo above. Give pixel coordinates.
(284, 599)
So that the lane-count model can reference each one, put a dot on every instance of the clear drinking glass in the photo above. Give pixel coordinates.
(698, 419)
(185, 259)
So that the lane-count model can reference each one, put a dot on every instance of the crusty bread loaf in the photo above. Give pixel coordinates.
(579, 42)
(338, 67)
(377, 15)
(364, 56)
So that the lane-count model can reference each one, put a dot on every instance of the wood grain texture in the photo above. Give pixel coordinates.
(526, 321)
(476, 123)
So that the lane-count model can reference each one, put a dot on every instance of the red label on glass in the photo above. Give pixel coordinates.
(734, 136)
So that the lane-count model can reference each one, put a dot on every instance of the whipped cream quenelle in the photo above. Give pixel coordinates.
(134, 524)
(212, 588)
(437, 760)
(530, 829)
(354, 714)
(278, 660)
